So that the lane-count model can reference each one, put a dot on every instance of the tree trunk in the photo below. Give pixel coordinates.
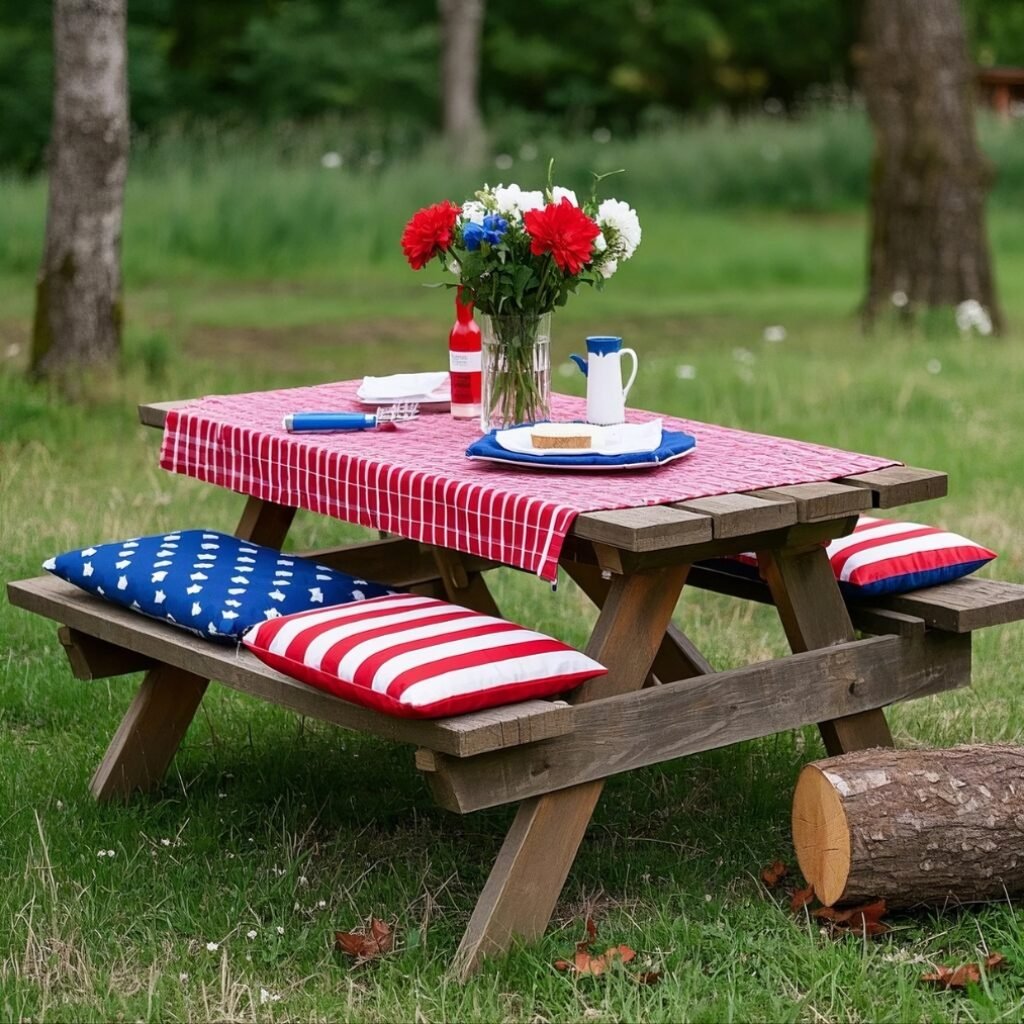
(929, 178)
(912, 826)
(78, 290)
(461, 28)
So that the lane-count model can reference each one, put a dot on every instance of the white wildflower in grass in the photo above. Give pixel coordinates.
(212, 947)
(60, 805)
(601, 135)
(743, 355)
(165, 842)
(503, 161)
(332, 161)
(899, 299)
(101, 853)
(971, 315)
(558, 194)
(183, 977)
(251, 934)
(686, 372)
(321, 904)
(621, 227)
(303, 880)
(775, 333)
(933, 366)
(280, 930)
(268, 997)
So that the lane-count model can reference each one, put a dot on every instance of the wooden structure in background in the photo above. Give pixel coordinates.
(1001, 88)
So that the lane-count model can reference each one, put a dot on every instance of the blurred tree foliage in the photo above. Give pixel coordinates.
(625, 64)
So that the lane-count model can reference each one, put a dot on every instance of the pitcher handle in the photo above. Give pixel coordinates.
(632, 376)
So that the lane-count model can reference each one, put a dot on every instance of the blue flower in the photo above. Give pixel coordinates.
(472, 236)
(491, 231)
(495, 227)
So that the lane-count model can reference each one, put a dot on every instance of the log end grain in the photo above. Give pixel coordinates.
(821, 835)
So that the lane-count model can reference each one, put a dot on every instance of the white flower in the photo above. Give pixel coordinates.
(251, 934)
(686, 372)
(971, 315)
(933, 366)
(775, 333)
(165, 842)
(213, 946)
(183, 977)
(321, 904)
(512, 201)
(619, 217)
(608, 268)
(280, 930)
(332, 161)
(473, 211)
(558, 194)
(600, 243)
(899, 299)
(268, 997)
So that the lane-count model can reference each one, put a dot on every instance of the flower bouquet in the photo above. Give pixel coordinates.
(519, 255)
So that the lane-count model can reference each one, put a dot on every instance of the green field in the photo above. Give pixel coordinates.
(291, 829)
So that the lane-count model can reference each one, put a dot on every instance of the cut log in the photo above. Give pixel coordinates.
(912, 826)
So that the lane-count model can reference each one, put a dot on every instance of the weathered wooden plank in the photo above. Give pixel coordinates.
(817, 502)
(962, 605)
(264, 522)
(644, 529)
(94, 659)
(708, 712)
(153, 414)
(468, 589)
(814, 615)
(393, 560)
(532, 865)
(737, 515)
(901, 485)
(578, 550)
(240, 670)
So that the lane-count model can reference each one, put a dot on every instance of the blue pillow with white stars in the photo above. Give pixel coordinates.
(209, 583)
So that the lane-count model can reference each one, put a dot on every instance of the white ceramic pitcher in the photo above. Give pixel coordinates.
(606, 396)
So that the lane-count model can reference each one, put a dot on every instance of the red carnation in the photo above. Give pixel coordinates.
(563, 230)
(428, 233)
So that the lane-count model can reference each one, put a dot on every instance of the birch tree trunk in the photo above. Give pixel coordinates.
(461, 30)
(78, 291)
(929, 178)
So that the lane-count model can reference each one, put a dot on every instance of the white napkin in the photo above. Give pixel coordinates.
(408, 386)
(628, 437)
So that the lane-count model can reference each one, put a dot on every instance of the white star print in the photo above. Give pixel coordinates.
(158, 577)
(316, 595)
(122, 582)
(159, 597)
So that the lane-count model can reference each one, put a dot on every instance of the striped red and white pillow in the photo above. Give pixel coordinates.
(884, 556)
(418, 657)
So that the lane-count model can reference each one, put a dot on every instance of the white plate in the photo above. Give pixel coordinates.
(584, 467)
(623, 439)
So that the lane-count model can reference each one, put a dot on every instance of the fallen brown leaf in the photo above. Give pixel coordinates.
(964, 975)
(862, 920)
(584, 961)
(648, 978)
(774, 873)
(801, 898)
(368, 945)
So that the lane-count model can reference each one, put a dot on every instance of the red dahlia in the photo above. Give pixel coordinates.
(429, 232)
(563, 230)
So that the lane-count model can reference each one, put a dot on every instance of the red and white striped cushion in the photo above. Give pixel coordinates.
(418, 657)
(884, 556)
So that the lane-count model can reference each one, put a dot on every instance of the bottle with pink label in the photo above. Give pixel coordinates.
(464, 361)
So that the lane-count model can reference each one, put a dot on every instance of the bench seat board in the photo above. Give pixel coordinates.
(460, 736)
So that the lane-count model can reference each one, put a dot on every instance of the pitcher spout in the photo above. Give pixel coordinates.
(580, 362)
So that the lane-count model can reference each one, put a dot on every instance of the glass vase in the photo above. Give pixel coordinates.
(515, 385)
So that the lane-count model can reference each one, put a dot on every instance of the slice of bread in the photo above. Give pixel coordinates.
(561, 435)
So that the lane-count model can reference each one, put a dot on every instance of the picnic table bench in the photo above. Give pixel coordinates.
(660, 699)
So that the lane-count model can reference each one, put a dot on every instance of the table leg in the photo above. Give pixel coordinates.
(534, 861)
(159, 716)
(814, 615)
(462, 587)
(677, 658)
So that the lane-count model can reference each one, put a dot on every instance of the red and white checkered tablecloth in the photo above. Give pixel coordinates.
(417, 482)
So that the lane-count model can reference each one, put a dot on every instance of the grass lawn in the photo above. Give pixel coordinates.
(222, 891)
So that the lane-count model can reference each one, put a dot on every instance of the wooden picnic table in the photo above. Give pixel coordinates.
(659, 700)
